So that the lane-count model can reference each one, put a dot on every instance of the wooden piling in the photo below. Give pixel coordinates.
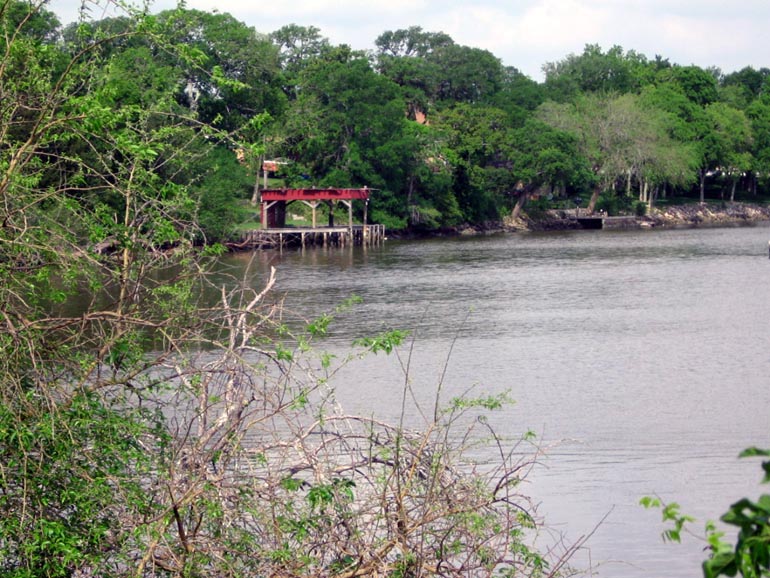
(358, 235)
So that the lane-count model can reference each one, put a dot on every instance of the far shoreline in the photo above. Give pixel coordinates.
(686, 216)
(667, 217)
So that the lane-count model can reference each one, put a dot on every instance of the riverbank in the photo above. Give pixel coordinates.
(675, 216)
(692, 215)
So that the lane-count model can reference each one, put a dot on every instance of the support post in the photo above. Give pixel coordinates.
(349, 205)
(313, 206)
(263, 214)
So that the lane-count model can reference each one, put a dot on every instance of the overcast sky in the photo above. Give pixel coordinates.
(728, 34)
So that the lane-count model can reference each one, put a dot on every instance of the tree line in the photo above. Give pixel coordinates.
(445, 133)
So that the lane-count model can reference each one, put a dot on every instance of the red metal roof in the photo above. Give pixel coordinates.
(314, 194)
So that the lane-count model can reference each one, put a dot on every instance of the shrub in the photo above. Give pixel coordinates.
(607, 203)
(750, 555)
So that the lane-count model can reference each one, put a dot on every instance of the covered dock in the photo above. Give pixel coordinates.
(273, 203)
(275, 232)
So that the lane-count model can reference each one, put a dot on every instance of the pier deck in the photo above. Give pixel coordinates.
(312, 237)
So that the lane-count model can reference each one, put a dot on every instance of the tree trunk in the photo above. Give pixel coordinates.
(628, 183)
(255, 192)
(653, 198)
(702, 186)
(255, 189)
(732, 190)
(520, 202)
(409, 194)
(594, 198)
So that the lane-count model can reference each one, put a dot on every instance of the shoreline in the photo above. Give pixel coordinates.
(693, 215)
(675, 216)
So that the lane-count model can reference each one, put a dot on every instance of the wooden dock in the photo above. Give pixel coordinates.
(278, 238)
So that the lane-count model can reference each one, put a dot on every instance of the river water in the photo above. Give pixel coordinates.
(640, 358)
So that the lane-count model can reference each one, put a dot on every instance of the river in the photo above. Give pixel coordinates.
(640, 358)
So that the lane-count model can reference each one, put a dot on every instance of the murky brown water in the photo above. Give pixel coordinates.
(642, 357)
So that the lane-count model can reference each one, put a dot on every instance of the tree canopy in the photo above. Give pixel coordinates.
(343, 117)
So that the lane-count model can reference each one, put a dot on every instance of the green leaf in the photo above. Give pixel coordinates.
(721, 564)
(650, 502)
(754, 451)
(291, 484)
(386, 341)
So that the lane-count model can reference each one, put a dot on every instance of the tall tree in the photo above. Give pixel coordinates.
(411, 42)
(298, 46)
(621, 139)
(478, 137)
(231, 73)
(466, 74)
(591, 71)
(687, 124)
(545, 158)
(729, 149)
(759, 115)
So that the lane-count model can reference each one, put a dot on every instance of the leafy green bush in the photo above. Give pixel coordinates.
(750, 555)
(63, 468)
(536, 209)
(224, 183)
(608, 203)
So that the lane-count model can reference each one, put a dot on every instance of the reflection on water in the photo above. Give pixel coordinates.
(641, 357)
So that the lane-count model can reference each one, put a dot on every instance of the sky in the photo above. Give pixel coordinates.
(526, 34)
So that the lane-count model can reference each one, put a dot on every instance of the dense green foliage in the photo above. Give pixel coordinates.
(445, 134)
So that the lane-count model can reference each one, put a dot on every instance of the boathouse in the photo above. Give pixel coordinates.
(275, 232)
(274, 203)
